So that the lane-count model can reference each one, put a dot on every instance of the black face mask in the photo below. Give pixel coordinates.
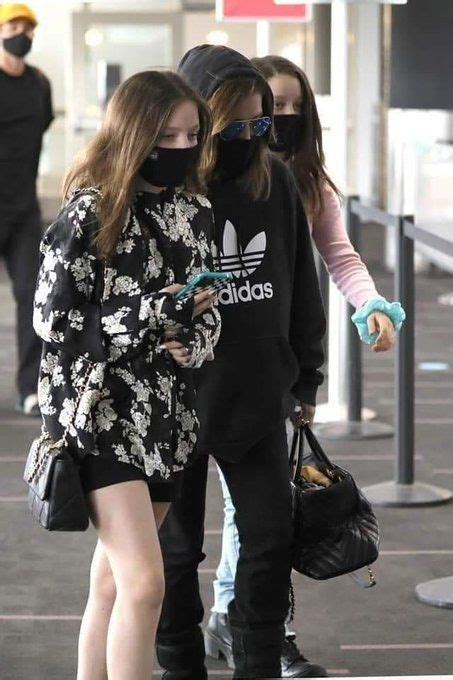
(288, 133)
(169, 167)
(234, 157)
(18, 45)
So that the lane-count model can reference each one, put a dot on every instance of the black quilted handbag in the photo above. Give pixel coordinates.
(336, 530)
(55, 493)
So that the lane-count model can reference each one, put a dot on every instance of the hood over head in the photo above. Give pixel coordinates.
(206, 67)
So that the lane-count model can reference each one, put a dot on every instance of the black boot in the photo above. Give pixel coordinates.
(217, 638)
(218, 643)
(183, 657)
(257, 650)
(257, 653)
(295, 665)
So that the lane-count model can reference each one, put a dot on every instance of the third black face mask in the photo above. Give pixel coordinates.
(169, 167)
(18, 45)
(288, 133)
(234, 157)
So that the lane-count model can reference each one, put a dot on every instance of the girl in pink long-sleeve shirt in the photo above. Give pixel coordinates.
(299, 143)
(344, 264)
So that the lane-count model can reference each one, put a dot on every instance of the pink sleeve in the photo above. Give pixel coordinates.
(344, 264)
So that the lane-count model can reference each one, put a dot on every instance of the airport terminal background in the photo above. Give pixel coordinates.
(84, 48)
(398, 155)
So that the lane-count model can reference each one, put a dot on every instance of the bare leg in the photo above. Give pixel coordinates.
(127, 561)
(92, 663)
(95, 623)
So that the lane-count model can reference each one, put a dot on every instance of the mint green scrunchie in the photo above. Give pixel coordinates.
(393, 310)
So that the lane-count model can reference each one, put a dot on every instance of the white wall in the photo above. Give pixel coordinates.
(367, 109)
(51, 51)
(51, 43)
(197, 25)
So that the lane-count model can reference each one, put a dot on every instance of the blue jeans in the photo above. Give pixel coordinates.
(226, 571)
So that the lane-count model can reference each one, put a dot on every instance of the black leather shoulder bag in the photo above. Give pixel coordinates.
(55, 494)
(336, 530)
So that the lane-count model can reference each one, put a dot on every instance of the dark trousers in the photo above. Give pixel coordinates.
(19, 246)
(259, 486)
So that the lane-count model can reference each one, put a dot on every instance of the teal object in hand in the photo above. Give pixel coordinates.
(393, 310)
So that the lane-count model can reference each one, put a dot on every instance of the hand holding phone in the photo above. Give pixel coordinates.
(206, 281)
(202, 300)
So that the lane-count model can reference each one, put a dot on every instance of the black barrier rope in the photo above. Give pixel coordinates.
(403, 490)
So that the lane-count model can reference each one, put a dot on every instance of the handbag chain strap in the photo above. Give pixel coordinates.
(362, 581)
(96, 297)
(39, 461)
(80, 394)
(292, 602)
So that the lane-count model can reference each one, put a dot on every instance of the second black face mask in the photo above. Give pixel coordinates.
(18, 45)
(288, 133)
(234, 157)
(169, 167)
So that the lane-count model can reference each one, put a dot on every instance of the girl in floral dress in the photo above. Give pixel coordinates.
(134, 229)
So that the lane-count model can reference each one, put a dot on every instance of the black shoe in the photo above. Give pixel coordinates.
(29, 406)
(295, 665)
(183, 658)
(218, 642)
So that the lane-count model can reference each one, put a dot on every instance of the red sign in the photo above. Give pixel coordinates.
(257, 10)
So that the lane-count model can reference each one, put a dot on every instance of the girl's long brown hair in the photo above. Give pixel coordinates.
(135, 116)
(257, 179)
(308, 163)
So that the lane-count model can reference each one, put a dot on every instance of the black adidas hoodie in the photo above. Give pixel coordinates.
(272, 316)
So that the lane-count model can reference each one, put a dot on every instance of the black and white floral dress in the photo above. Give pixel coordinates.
(103, 323)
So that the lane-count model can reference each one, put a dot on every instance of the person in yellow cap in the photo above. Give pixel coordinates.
(25, 114)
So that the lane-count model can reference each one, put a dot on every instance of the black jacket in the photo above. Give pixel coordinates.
(272, 316)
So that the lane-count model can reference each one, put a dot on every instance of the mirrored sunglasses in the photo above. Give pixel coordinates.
(258, 128)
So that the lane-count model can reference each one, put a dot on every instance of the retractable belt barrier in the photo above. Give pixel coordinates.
(403, 490)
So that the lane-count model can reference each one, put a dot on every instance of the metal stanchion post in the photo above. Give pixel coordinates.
(354, 428)
(404, 491)
(405, 370)
(354, 373)
(354, 348)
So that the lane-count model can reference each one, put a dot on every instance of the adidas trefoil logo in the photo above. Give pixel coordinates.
(242, 263)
